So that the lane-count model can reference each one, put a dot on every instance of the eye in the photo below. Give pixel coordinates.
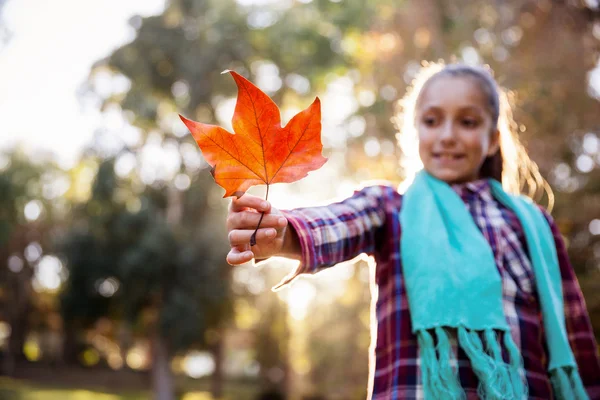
(429, 120)
(469, 122)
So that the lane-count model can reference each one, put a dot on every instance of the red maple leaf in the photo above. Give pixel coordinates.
(260, 151)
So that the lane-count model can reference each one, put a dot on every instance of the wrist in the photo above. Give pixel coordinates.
(291, 244)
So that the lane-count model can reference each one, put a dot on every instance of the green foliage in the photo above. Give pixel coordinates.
(28, 216)
(131, 263)
(20, 182)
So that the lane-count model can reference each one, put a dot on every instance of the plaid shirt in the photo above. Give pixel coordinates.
(368, 222)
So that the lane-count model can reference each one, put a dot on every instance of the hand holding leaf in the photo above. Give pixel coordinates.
(260, 151)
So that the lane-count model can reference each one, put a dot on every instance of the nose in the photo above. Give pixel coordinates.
(447, 134)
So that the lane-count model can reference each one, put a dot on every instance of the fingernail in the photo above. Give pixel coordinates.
(271, 232)
(264, 205)
(282, 221)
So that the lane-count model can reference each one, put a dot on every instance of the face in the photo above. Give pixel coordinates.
(455, 128)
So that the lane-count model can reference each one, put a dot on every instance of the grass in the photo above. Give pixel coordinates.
(12, 389)
(18, 390)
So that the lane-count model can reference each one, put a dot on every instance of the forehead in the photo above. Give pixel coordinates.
(452, 92)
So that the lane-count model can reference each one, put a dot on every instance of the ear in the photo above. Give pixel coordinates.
(494, 143)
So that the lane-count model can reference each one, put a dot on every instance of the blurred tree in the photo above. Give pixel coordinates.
(128, 261)
(28, 221)
(362, 55)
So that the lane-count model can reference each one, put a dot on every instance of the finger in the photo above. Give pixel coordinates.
(248, 220)
(240, 237)
(249, 201)
(242, 247)
(235, 257)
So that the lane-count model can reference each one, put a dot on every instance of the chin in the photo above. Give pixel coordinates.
(449, 176)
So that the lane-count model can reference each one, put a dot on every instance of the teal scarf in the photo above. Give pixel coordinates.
(452, 282)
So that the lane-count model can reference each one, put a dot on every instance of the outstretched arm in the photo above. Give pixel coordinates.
(340, 231)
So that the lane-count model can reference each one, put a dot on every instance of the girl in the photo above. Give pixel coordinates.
(475, 296)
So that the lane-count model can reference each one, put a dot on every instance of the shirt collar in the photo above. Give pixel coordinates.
(479, 188)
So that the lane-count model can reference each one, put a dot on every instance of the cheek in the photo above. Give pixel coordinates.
(424, 147)
(426, 140)
(477, 144)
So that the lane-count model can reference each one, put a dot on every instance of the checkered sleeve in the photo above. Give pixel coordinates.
(337, 232)
(579, 327)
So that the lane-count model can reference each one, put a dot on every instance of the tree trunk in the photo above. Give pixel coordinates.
(69, 350)
(18, 318)
(125, 340)
(163, 387)
(16, 341)
(162, 378)
(216, 384)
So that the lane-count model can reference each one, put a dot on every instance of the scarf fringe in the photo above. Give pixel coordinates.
(439, 379)
(498, 380)
(487, 369)
(567, 384)
(519, 382)
(505, 371)
(448, 375)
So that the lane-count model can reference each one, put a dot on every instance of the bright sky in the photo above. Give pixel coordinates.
(53, 46)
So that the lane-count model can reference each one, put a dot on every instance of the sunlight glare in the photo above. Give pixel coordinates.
(266, 76)
(15, 264)
(5, 330)
(125, 163)
(595, 227)
(298, 298)
(182, 182)
(591, 143)
(49, 274)
(585, 163)
(224, 112)
(34, 76)
(33, 252)
(198, 364)
(33, 210)
(594, 82)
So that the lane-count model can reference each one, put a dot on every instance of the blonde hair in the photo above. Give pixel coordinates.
(517, 172)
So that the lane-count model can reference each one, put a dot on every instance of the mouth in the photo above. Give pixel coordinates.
(448, 156)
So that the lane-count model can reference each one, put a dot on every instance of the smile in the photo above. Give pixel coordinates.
(448, 156)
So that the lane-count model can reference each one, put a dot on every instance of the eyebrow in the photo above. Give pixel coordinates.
(463, 108)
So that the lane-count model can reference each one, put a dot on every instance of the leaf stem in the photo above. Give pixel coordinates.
(253, 237)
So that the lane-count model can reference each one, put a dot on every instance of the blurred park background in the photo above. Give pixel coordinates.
(113, 280)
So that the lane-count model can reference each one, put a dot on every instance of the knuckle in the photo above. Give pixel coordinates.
(231, 236)
(245, 219)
